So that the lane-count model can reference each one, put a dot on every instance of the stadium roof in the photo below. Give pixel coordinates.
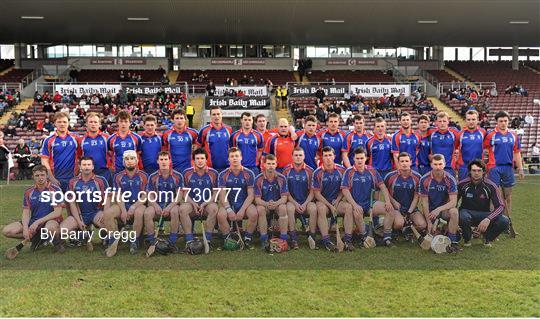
(300, 22)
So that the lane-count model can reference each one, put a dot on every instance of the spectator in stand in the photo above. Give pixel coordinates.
(485, 124)
(57, 97)
(210, 88)
(535, 153)
(73, 75)
(516, 123)
(529, 119)
(48, 126)
(34, 145)
(22, 154)
(94, 100)
(64, 109)
(10, 131)
(320, 94)
(22, 122)
(4, 153)
(49, 107)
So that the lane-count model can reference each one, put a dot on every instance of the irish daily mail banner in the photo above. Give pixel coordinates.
(248, 90)
(231, 103)
(310, 90)
(376, 90)
(152, 89)
(88, 89)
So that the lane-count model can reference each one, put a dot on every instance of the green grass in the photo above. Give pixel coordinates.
(405, 281)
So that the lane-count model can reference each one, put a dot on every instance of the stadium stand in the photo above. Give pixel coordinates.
(219, 77)
(114, 75)
(350, 76)
(6, 63)
(15, 75)
(443, 76)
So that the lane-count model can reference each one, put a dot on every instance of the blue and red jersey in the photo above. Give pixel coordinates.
(249, 144)
(335, 141)
(216, 143)
(361, 184)
(424, 149)
(96, 148)
(501, 147)
(200, 184)
(96, 184)
(282, 147)
(179, 144)
(298, 181)
(328, 182)
(32, 200)
(271, 189)
(61, 152)
(401, 142)
(353, 140)
(150, 147)
(119, 144)
(379, 150)
(403, 189)
(444, 143)
(311, 144)
(165, 187)
(242, 181)
(470, 144)
(123, 182)
(438, 192)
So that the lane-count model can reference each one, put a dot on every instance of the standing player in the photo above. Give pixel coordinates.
(260, 126)
(443, 141)
(271, 197)
(250, 142)
(94, 144)
(122, 141)
(215, 138)
(179, 141)
(165, 182)
(299, 180)
(37, 213)
(438, 191)
(59, 152)
(424, 149)
(379, 149)
(134, 181)
(470, 143)
(477, 193)
(237, 202)
(202, 180)
(326, 187)
(151, 145)
(504, 148)
(333, 137)
(355, 139)
(405, 140)
(281, 145)
(310, 142)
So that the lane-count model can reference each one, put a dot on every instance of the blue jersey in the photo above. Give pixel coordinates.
(444, 143)
(249, 144)
(96, 148)
(243, 181)
(96, 184)
(200, 185)
(179, 144)
(165, 187)
(136, 184)
(403, 189)
(361, 184)
(311, 145)
(298, 182)
(424, 149)
(61, 152)
(271, 190)
(354, 140)
(328, 182)
(380, 153)
(37, 205)
(410, 144)
(470, 145)
(501, 147)
(216, 143)
(118, 145)
(335, 141)
(437, 192)
(150, 148)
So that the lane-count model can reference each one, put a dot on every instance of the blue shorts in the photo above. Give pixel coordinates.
(502, 175)
(423, 170)
(64, 184)
(383, 172)
(88, 218)
(463, 172)
(105, 173)
(255, 170)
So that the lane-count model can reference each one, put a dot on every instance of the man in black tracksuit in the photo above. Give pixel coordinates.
(477, 193)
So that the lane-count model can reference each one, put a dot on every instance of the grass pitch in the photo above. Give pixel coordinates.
(405, 281)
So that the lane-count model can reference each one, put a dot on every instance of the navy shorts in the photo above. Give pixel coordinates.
(502, 175)
(423, 170)
(88, 218)
(254, 169)
(64, 184)
(463, 172)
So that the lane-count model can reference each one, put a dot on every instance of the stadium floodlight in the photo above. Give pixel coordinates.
(518, 22)
(334, 21)
(427, 21)
(32, 17)
(138, 19)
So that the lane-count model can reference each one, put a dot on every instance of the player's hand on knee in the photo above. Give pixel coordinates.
(26, 233)
(388, 206)
(124, 217)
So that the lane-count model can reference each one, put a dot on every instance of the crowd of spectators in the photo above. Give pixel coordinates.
(516, 89)
(473, 99)
(8, 99)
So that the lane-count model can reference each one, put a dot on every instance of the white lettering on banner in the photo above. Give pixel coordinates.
(237, 113)
(375, 90)
(248, 90)
(237, 102)
(88, 89)
(155, 90)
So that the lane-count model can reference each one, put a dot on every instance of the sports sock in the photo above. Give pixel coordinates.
(173, 237)
(283, 236)
(387, 234)
(188, 237)
(208, 235)
(264, 237)
(293, 235)
(150, 238)
(347, 237)
(248, 235)
(453, 237)
(326, 239)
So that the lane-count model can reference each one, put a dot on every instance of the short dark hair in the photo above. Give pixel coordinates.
(310, 118)
(298, 149)
(123, 115)
(404, 154)
(199, 151)
(214, 107)
(437, 157)
(402, 115)
(423, 117)
(331, 115)
(234, 149)
(178, 111)
(163, 153)
(358, 117)
(478, 162)
(472, 112)
(247, 114)
(86, 158)
(270, 157)
(327, 149)
(501, 114)
(360, 150)
(379, 120)
(149, 118)
(40, 168)
(259, 116)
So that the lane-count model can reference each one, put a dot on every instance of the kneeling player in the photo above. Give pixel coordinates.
(271, 197)
(37, 212)
(162, 195)
(88, 211)
(236, 197)
(438, 191)
(326, 187)
(200, 181)
(131, 181)
(299, 176)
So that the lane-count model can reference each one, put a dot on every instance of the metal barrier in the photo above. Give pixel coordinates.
(11, 86)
